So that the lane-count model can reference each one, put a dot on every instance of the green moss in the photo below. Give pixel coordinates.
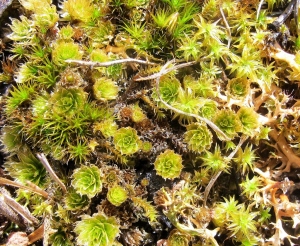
(177, 238)
(11, 138)
(174, 82)
(87, 180)
(249, 120)
(75, 201)
(67, 101)
(81, 10)
(27, 168)
(65, 50)
(19, 95)
(198, 137)
(97, 230)
(238, 88)
(228, 122)
(107, 127)
(169, 89)
(168, 164)
(127, 141)
(105, 89)
(60, 238)
(117, 195)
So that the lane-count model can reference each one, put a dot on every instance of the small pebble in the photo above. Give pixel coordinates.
(17, 239)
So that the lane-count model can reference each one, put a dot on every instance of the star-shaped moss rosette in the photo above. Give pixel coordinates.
(87, 180)
(117, 195)
(215, 161)
(228, 122)
(238, 219)
(105, 89)
(67, 102)
(168, 164)
(75, 201)
(198, 137)
(238, 88)
(249, 120)
(208, 109)
(65, 50)
(137, 115)
(19, 95)
(97, 230)
(176, 238)
(127, 141)
(60, 238)
(81, 11)
(169, 88)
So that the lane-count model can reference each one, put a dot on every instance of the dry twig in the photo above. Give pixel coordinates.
(109, 63)
(52, 174)
(32, 187)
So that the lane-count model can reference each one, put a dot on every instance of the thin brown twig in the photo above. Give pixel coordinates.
(109, 63)
(227, 27)
(208, 122)
(32, 187)
(217, 174)
(19, 209)
(52, 174)
(36, 235)
(164, 70)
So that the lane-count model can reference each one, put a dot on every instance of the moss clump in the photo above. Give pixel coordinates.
(97, 230)
(127, 141)
(135, 111)
(198, 137)
(117, 195)
(228, 122)
(105, 89)
(65, 51)
(168, 164)
(87, 180)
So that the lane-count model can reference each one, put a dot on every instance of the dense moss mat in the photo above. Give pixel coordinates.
(163, 122)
